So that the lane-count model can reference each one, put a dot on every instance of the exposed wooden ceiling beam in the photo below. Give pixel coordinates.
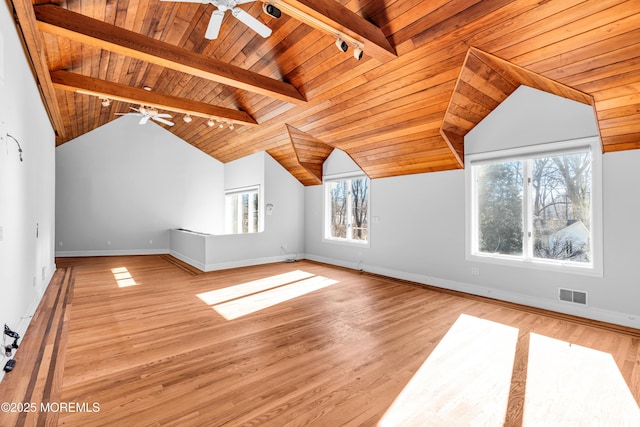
(334, 19)
(74, 26)
(35, 45)
(88, 85)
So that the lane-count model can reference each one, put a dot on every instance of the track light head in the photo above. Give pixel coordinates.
(105, 102)
(231, 126)
(211, 123)
(342, 45)
(271, 10)
(357, 53)
(187, 118)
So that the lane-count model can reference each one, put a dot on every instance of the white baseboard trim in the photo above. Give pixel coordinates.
(115, 252)
(593, 313)
(228, 264)
(245, 263)
(197, 264)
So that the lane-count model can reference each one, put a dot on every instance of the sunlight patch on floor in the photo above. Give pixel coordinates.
(123, 277)
(571, 385)
(242, 290)
(465, 381)
(237, 301)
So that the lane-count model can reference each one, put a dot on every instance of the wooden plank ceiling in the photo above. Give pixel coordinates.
(436, 69)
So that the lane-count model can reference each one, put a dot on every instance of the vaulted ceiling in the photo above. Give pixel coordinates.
(431, 70)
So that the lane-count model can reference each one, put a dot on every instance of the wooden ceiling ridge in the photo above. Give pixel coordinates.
(310, 151)
(484, 82)
(73, 82)
(80, 28)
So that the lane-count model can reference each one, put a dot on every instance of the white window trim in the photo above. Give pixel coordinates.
(325, 222)
(595, 268)
(240, 190)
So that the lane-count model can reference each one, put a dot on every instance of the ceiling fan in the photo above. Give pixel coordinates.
(148, 113)
(213, 29)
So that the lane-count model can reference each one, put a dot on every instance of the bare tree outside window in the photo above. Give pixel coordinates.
(347, 209)
(537, 206)
(562, 207)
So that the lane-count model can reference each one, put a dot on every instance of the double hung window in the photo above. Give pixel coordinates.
(242, 210)
(347, 209)
(537, 205)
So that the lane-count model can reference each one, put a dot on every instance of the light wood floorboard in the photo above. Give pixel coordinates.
(152, 352)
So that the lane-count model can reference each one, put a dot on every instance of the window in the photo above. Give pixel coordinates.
(242, 210)
(540, 207)
(347, 209)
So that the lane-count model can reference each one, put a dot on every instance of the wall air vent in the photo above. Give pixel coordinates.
(569, 295)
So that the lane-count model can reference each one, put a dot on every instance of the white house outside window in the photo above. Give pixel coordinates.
(537, 205)
(347, 209)
(242, 210)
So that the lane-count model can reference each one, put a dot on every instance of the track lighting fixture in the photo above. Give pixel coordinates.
(211, 123)
(221, 125)
(231, 126)
(187, 118)
(357, 53)
(271, 10)
(342, 45)
(105, 102)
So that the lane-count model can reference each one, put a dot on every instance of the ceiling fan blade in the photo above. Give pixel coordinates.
(161, 120)
(128, 114)
(251, 22)
(143, 120)
(213, 29)
(165, 115)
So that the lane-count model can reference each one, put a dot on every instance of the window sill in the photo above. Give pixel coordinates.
(344, 242)
(551, 266)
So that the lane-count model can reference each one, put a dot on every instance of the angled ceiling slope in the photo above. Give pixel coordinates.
(484, 82)
(304, 157)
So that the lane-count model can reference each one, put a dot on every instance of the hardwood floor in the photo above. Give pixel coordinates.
(311, 344)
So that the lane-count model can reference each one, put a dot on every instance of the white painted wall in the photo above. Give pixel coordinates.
(420, 233)
(123, 186)
(284, 228)
(27, 188)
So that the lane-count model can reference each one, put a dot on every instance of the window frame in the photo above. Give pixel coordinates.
(326, 217)
(239, 191)
(527, 260)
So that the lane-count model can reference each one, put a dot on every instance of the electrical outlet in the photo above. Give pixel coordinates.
(475, 271)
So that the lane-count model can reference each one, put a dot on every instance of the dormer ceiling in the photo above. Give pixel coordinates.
(429, 72)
